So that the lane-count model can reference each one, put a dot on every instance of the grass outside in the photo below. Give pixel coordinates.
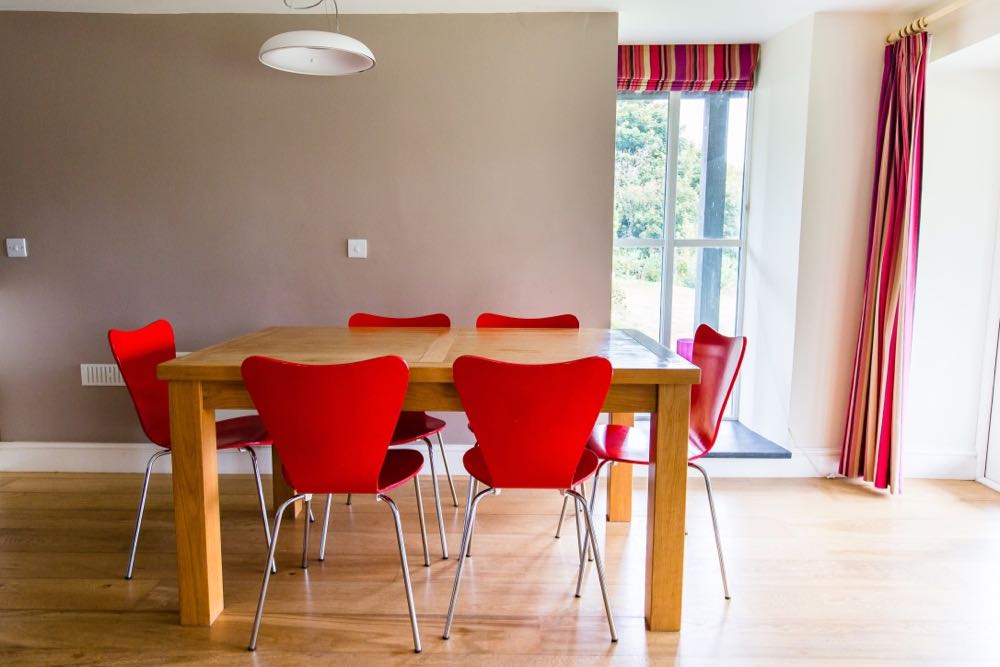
(635, 304)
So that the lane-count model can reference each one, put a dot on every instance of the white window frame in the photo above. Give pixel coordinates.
(668, 243)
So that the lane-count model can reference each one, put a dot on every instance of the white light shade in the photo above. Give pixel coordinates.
(316, 52)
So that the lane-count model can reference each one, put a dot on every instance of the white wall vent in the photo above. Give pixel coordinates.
(101, 375)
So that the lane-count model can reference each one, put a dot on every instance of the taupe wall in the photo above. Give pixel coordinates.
(158, 170)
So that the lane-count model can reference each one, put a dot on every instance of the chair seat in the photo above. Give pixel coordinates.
(414, 426)
(475, 464)
(241, 432)
(401, 465)
(622, 444)
(613, 442)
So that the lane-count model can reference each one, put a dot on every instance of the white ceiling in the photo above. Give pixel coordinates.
(640, 21)
(981, 55)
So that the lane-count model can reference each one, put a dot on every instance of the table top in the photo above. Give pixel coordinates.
(430, 352)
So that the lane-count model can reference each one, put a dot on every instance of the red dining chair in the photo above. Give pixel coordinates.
(412, 426)
(564, 321)
(495, 321)
(332, 426)
(137, 354)
(533, 451)
(719, 357)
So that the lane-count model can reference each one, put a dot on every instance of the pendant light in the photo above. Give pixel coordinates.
(316, 52)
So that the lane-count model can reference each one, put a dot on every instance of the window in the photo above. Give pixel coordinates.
(678, 218)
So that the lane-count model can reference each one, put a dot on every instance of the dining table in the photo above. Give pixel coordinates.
(646, 378)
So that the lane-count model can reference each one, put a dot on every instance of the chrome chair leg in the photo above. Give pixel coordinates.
(305, 534)
(470, 521)
(582, 503)
(267, 570)
(326, 526)
(437, 498)
(593, 502)
(142, 508)
(586, 543)
(260, 497)
(423, 522)
(348, 503)
(447, 472)
(715, 525)
(579, 533)
(562, 517)
(473, 489)
(474, 486)
(406, 570)
(593, 498)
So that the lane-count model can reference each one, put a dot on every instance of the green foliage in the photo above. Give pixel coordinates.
(640, 166)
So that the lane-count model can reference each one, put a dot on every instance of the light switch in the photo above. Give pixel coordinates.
(357, 248)
(17, 248)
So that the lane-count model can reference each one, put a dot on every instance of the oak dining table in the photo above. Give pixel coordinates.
(646, 378)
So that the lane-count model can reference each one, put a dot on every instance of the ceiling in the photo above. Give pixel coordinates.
(640, 21)
(981, 55)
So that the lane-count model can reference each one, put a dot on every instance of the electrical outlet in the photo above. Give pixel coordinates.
(357, 248)
(17, 248)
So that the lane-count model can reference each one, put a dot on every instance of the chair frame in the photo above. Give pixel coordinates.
(350, 460)
(472, 504)
(163, 334)
(711, 507)
(307, 497)
(145, 489)
(482, 385)
(691, 464)
(431, 320)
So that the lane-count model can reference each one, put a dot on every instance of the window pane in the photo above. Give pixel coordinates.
(635, 290)
(640, 168)
(706, 282)
(710, 158)
(688, 208)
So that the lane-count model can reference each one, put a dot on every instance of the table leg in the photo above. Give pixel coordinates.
(620, 479)
(668, 443)
(280, 489)
(196, 504)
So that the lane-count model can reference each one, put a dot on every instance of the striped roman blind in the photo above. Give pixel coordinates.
(686, 67)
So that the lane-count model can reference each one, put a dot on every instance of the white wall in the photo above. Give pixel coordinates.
(840, 145)
(962, 28)
(812, 166)
(811, 170)
(961, 200)
(777, 167)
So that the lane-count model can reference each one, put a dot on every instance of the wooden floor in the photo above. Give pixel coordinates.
(822, 572)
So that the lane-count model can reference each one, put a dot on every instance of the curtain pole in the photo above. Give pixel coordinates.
(920, 24)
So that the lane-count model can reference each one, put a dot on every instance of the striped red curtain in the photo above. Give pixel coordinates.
(686, 67)
(872, 439)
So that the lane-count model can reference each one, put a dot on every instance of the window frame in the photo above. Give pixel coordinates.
(668, 243)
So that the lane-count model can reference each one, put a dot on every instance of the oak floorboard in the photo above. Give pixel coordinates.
(823, 572)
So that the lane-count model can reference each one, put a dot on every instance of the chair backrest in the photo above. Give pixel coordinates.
(137, 354)
(368, 320)
(495, 321)
(331, 424)
(532, 421)
(719, 357)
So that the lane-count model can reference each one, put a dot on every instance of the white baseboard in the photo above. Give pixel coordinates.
(989, 483)
(132, 457)
(934, 465)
